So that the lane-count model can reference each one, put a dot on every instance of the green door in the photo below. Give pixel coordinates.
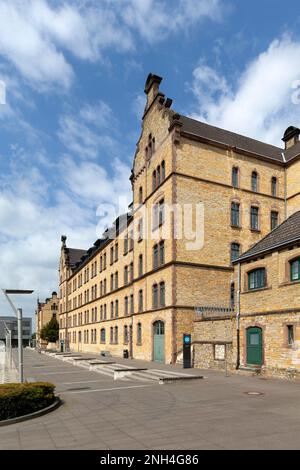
(159, 341)
(254, 346)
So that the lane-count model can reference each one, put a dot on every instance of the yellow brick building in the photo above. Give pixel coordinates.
(45, 311)
(201, 196)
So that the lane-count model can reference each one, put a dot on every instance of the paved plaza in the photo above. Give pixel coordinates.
(216, 412)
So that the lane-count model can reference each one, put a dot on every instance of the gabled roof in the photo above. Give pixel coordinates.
(285, 234)
(222, 136)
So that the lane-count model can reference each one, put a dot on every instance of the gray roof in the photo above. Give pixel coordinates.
(75, 256)
(216, 134)
(285, 234)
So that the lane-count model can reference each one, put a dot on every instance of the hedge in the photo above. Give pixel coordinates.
(22, 399)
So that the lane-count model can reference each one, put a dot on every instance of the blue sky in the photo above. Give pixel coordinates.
(74, 74)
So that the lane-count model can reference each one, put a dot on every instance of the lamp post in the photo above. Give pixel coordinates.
(18, 313)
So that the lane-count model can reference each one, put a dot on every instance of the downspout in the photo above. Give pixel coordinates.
(285, 187)
(238, 314)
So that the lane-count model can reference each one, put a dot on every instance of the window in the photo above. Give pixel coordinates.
(111, 255)
(111, 282)
(235, 214)
(290, 334)
(131, 240)
(141, 195)
(155, 257)
(257, 279)
(162, 253)
(274, 186)
(153, 180)
(232, 295)
(254, 181)
(139, 333)
(131, 304)
(111, 335)
(111, 310)
(235, 177)
(234, 251)
(116, 335)
(116, 280)
(126, 244)
(274, 219)
(116, 252)
(295, 270)
(131, 272)
(140, 301)
(163, 170)
(155, 296)
(116, 308)
(125, 334)
(254, 222)
(140, 265)
(140, 229)
(161, 212)
(126, 305)
(126, 275)
(102, 335)
(162, 299)
(158, 176)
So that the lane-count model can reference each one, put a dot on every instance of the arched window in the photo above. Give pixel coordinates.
(153, 180)
(254, 181)
(125, 334)
(235, 249)
(111, 335)
(254, 218)
(141, 195)
(274, 219)
(139, 333)
(162, 296)
(274, 186)
(163, 170)
(235, 177)
(140, 265)
(140, 300)
(155, 296)
(232, 295)
(235, 214)
(155, 257)
(295, 269)
(116, 335)
(257, 279)
(102, 335)
(158, 175)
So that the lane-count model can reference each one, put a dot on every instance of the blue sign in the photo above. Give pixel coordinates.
(187, 339)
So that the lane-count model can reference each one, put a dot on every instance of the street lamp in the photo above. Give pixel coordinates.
(18, 313)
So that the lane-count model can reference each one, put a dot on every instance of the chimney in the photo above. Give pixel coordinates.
(152, 88)
(291, 136)
(63, 241)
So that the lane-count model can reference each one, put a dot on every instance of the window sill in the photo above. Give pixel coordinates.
(289, 283)
(255, 230)
(236, 227)
(259, 289)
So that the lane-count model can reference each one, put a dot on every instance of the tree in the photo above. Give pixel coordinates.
(50, 331)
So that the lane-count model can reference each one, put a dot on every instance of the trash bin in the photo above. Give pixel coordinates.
(125, 354)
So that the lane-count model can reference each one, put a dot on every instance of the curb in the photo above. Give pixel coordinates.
(166, 380)
(56, 404)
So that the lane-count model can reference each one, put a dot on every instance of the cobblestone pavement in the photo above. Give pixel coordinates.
(214, 413)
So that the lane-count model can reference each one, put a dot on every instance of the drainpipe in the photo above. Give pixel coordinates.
(285, 193)
(238, 313)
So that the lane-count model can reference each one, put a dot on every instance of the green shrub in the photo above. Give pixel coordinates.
(21, 399)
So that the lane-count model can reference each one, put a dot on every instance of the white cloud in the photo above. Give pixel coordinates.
(35, 34)
(88, 130)
(260, 103)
